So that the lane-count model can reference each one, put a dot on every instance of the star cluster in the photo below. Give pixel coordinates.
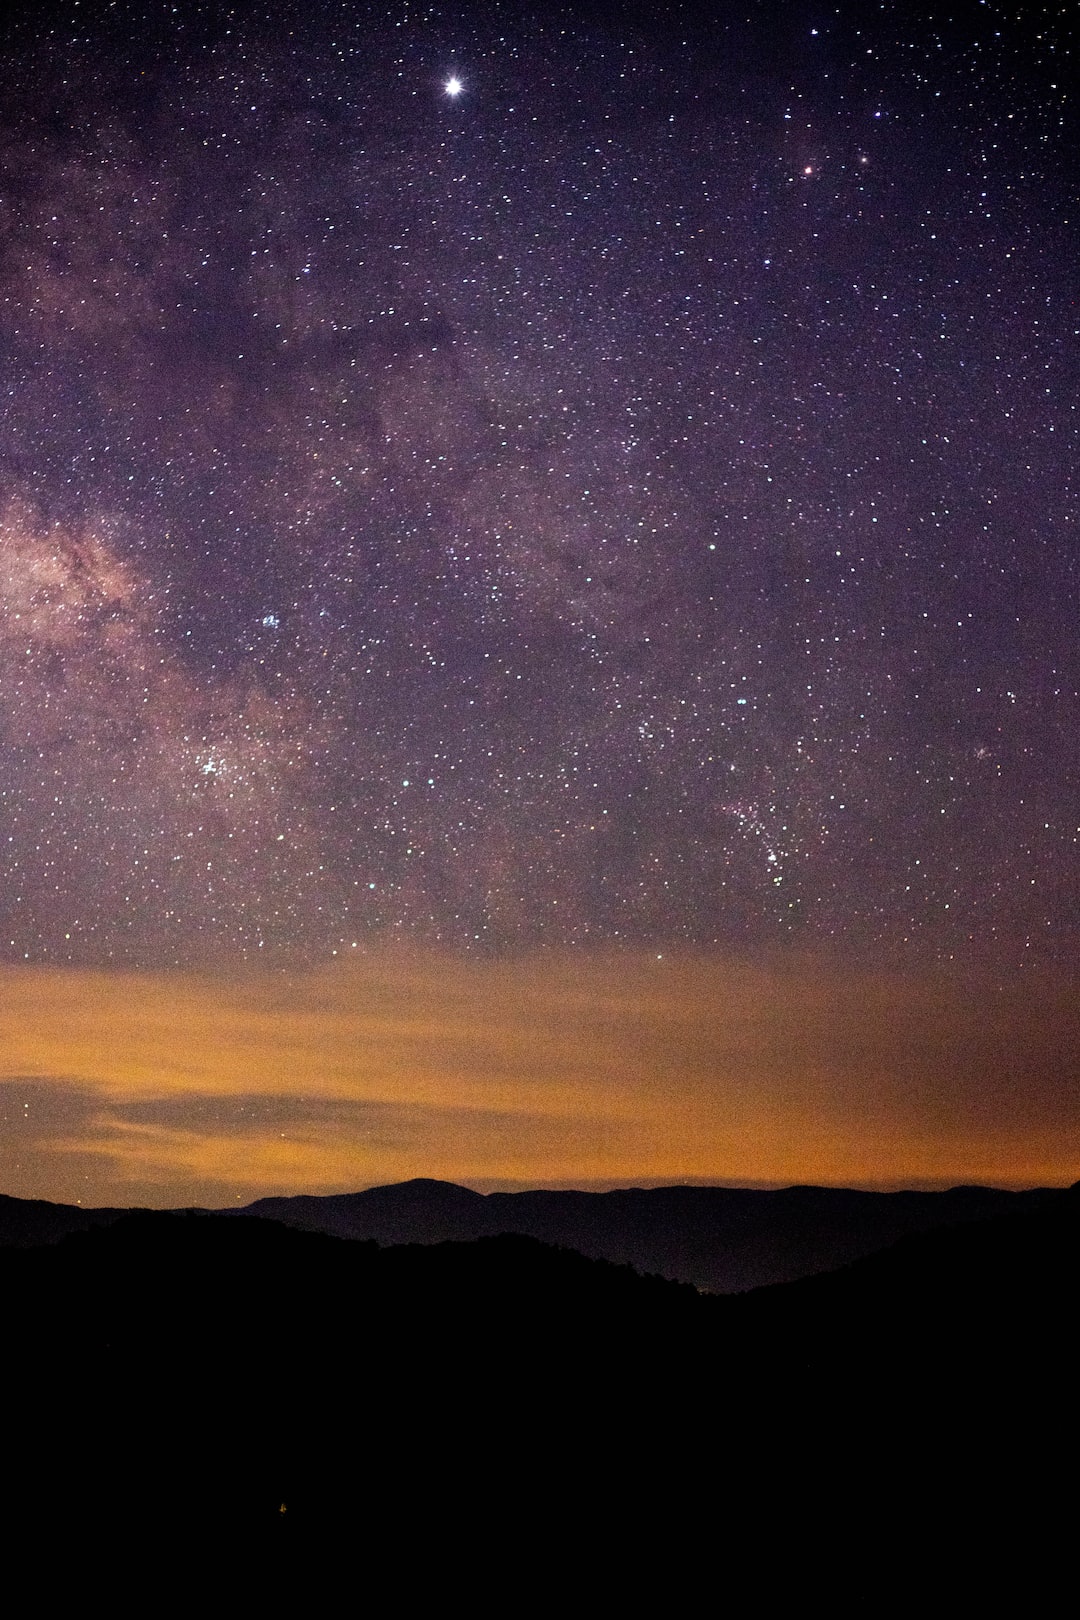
(496, 479)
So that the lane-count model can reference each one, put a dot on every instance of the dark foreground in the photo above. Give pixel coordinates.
(501, 1417)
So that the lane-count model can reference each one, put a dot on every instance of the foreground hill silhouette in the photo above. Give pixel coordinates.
(476, 1413)
(26, 1223)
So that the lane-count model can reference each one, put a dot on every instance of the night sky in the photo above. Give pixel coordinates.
(539, 595)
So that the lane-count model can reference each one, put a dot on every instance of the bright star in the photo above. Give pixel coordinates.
(453, 86)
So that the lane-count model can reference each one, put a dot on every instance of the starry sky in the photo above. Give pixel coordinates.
(530, 523)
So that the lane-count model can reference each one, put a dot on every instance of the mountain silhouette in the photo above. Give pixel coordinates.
(721, 1239)
(463, 1416)
(26, 1223)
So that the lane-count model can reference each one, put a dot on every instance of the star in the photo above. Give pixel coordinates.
(453, 87)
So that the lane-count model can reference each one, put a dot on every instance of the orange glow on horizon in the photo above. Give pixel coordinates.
(180, 1089)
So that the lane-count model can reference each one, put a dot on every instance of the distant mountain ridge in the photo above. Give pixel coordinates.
(721, 1239)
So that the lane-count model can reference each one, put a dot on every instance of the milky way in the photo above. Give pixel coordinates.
(627, 501)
